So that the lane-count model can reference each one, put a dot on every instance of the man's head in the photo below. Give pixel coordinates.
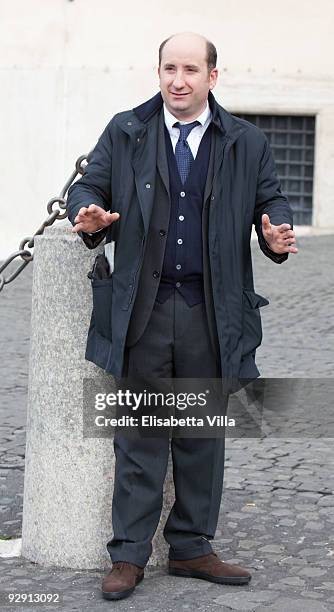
(187, 71)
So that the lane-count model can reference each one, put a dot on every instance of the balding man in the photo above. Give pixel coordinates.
(176, 184)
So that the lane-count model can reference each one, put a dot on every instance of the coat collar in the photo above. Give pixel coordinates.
(136, 121)
(227, 124)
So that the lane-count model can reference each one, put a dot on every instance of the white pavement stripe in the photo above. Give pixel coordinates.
(10, 548)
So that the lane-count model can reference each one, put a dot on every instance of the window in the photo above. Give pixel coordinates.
(291, 139)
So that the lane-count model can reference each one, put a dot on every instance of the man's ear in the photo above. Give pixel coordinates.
(213, 77)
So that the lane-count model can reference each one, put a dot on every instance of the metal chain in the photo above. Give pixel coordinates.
(23, 252)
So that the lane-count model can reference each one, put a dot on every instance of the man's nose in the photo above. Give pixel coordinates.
(178, 80)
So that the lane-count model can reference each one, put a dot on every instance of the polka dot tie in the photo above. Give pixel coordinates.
(183, 154)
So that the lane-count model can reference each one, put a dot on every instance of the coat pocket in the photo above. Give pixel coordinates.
(102, 305)
(252, 327)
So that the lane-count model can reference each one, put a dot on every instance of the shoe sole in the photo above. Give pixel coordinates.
(218, 579)
(121, 594)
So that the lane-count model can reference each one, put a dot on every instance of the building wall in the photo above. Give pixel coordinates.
(67, 66)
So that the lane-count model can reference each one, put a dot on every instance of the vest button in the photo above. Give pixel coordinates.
(179, 241)
(182, 194)
(178, 284)
(156, 274)
(178, 266)
(162, 232)
(181, 218)
(148, 185)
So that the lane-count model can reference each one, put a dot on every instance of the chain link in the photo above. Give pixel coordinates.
(57, 213)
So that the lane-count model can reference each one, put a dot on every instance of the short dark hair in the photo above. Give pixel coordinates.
(211, 53)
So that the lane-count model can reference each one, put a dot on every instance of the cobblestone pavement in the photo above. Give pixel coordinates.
(277, 513)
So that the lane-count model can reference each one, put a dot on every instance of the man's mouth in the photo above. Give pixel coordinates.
(179, 95)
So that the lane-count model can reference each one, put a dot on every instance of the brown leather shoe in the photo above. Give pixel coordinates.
(209, 567)
(121, 580)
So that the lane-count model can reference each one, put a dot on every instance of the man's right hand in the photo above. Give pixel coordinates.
(93, 218)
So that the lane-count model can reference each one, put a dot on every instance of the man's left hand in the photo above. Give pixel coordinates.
(279, 238)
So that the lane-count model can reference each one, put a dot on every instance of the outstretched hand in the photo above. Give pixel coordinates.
(279, 238)
(93, 218)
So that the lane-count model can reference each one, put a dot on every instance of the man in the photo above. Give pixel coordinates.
(176, 184)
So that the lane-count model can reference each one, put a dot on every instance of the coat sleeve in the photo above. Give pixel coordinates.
(94, 187)
(270, 200)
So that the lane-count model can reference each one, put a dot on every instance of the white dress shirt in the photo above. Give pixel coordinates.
(196, 134)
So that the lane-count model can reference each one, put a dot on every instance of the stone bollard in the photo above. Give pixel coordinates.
(68, 478)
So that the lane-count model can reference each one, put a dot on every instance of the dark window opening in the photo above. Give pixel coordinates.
(291, 140)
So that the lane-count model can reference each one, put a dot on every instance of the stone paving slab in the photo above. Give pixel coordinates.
(277, 510)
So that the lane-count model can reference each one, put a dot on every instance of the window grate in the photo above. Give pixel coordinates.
(291, 139)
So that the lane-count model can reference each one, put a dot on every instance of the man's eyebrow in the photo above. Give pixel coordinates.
(171, 65)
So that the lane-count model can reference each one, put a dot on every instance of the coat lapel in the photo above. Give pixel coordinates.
(162, 163)
(144, 166)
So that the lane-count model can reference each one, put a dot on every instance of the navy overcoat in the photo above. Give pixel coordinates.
(120, 176)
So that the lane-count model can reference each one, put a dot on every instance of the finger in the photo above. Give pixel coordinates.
(289, 233)
(77, 228)
(92, 211)
(265, 220)
(81, 214)
(88, 210)
(94, 208)
(289, 249)
(283, 241)
(283, 227)
(113, 216)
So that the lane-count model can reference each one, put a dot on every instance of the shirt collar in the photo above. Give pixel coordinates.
(203, 118)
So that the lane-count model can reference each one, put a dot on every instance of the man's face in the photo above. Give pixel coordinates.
(184, 77)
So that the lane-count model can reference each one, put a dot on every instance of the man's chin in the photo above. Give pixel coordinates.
(181, 104)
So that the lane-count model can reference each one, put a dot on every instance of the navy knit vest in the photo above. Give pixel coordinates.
(183, 261)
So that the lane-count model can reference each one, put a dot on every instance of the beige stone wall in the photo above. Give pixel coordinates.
(67, 67)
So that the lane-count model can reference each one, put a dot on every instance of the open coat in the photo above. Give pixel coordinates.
(120, 176)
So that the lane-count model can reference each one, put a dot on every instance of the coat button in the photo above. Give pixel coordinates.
(156, 274)
(179, 241)
(162, 233)
(148, 185)
(212, 197)
(178, 266)
(181, 218)
(129, 123)
(182, 194)
(178, 284)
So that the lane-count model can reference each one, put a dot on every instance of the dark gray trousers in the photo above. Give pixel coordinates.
(176, 344)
